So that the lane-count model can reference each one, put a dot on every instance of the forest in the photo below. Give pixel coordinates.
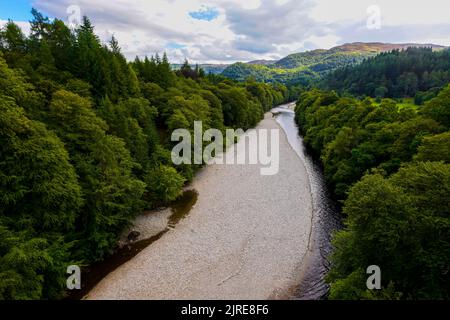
(301, 76)
(389, 167)
(388, 164)
(415, 73)
(85, 148)
(85, 144)
(308, 68)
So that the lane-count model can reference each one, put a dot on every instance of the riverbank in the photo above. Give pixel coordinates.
(245, 238)
(326, 217)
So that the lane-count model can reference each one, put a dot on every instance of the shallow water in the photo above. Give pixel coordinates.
(182, 207)
(325, 222)
(326, 218)
(93, 274)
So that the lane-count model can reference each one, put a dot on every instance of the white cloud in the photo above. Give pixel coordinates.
(25, 26)
(254, 29)
(394, 12)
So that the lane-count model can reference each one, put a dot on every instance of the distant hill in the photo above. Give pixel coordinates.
(263, 62)
(347, 53)
(413, 72)
(302, 68)
(209, 68)
(268, 73)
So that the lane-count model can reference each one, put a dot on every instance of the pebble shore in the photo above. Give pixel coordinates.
(246, 238)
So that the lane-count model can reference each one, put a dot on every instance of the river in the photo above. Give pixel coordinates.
(326, 217)
(248, 236)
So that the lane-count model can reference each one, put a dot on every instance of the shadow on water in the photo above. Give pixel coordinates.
(93, 274)
(182, 207)
(326, 217)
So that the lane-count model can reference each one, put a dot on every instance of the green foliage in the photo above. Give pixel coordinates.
(307, 67)
(104, 167)
(12, 38)
(435, 148)
(439, 108)
(165, 184)
(14, 85)
(155, 70)
(31, 268)
(240, 108)
(22, 263)
(133, 121)
(395, 74)
(401, 224)
(267, 95)
(353, 136)
(85, 145)
(39, 186)
(40, 199)
(396, 219)
(271, 74)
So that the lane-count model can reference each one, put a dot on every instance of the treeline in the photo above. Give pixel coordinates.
(294, 78)
(306, 68)
(84, 145)
(414, 72)
(390, 167)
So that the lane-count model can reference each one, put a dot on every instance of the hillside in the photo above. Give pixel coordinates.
(302, 68)
(396, 74)
(263, 73)
(263, 62)
(209, 68)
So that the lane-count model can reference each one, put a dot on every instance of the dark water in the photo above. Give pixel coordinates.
(326, 218)
(182, 207)
(93, 274)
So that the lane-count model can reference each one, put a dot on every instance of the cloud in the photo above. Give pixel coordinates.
(272, 22)
(24, 26)
(141, 25)
(253, 45)
(226, 31)
(408, 33)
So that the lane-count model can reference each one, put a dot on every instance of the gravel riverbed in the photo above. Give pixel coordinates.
(246, 238)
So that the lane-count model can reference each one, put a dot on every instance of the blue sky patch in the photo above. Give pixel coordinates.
(174, 45)
(205, 13)
(17, 10)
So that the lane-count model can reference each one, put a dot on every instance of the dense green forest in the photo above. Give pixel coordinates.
(415, 72)
(85, 145)
(85, 148)
(390, 167)
(300, 76)
(308, 68)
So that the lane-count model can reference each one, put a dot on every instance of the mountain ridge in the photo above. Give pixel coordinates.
(297, 68)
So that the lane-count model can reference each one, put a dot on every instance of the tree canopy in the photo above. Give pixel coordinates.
(390, 168)
(85, 144)
(414, 72)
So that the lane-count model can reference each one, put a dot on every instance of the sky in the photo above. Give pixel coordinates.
(226, 31)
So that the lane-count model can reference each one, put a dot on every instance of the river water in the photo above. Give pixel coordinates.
(326, 219)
